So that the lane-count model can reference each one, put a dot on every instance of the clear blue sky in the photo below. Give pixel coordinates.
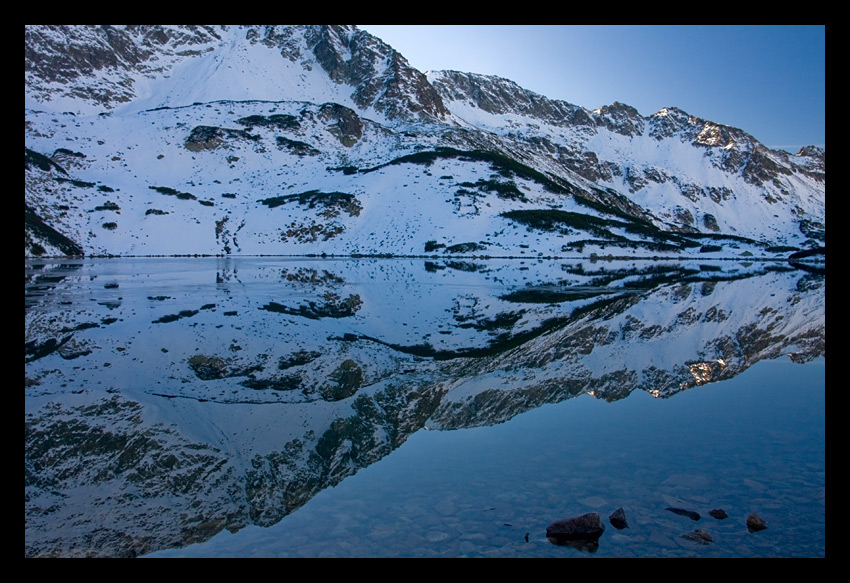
(767, 80)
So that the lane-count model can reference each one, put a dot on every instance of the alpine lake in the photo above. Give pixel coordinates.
(422, 407)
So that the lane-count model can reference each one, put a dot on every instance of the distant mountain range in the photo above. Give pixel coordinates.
(294, 140)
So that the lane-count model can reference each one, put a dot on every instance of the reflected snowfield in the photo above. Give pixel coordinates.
(420, 407)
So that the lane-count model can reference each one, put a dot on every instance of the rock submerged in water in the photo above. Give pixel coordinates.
(618, 519)
(584, 527)
(718, 513)
(755, 522)
(682, 512)
(699, 536)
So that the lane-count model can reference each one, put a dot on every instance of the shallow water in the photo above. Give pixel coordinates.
(421, 407)
(754, 443)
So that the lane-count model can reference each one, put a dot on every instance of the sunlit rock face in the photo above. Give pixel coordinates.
(165, 402)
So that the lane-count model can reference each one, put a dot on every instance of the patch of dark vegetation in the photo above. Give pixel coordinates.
(298, 358)
(312, 233)
(155, 212)
(466, 248)
(555, 294)
(108, 206)
(77, 183)
(311, 276)
(36, 250)
(566, 223)
(649, 245)
(671, 275)
(333, 202)
(40, 161)
(332, 306)
(228, 195)
(290, 382)
(277, 121)
(81, 326)
(723, 237)
(347, 170)
(710, 248)
(809, 260)
(500, 344)
(67, 152)
(504, 165)
(432, 246)
(563, 222)
(505, 190)
(206, 202)
(110, 226)
(172, 192)
(174, 317)
(466, 266)
(296, 147)
(499, 322)
(34, 350)
(36, 230)
(820, 251)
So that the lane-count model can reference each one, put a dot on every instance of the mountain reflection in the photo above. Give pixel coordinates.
(169, 399)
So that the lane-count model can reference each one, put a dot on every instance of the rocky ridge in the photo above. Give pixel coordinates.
(325, 105)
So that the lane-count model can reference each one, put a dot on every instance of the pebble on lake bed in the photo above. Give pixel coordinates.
(755, 522)
(698, 535)
(584, 527)
(618, 519)
(682, 512)
(718, 513)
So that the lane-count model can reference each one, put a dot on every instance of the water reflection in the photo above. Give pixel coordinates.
(169, 399)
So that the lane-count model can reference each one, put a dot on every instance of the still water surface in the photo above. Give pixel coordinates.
(754, 443)
(411, 408)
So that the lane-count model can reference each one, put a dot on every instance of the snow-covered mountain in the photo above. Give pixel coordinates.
(293, 140)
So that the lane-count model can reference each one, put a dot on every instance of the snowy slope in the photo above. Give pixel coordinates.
(222, 118)
(688, 172)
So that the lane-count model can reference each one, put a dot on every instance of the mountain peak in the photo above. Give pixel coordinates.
(98, 68)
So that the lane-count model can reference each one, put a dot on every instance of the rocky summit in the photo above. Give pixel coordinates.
(298, 140)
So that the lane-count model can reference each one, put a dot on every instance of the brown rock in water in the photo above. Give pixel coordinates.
(718, 513)
(698, 535)
(682, 512)
(755, 522)
(584, 527)
(618, 519)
